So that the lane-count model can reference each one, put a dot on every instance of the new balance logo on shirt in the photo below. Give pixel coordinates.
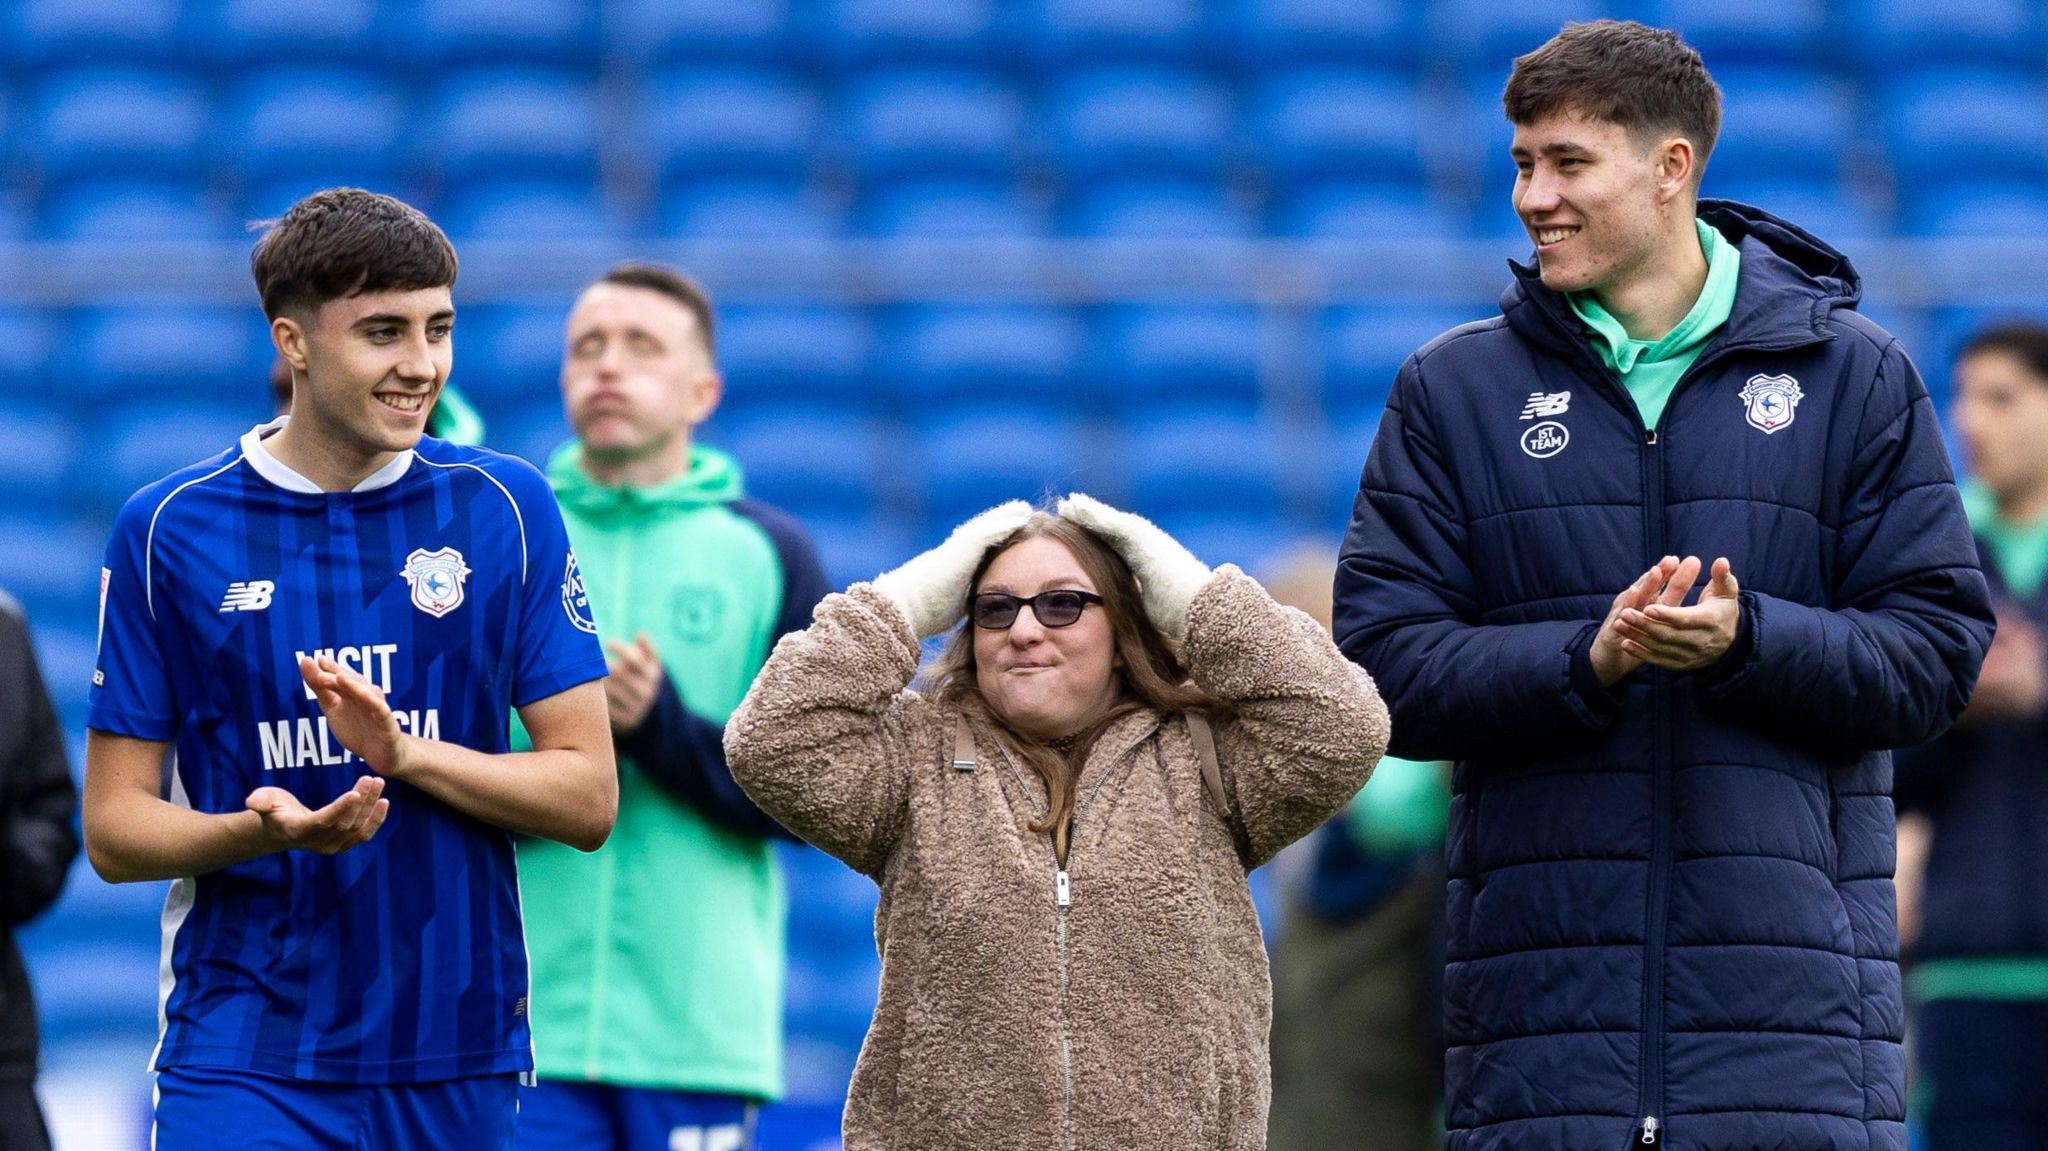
(254, 595)
(1546, 404)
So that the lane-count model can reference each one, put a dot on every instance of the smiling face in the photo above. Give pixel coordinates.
(1597, 201)
(1045, 682)
(637, 377)
(367, 369)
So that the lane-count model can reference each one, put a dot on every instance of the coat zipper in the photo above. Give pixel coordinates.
(1650, 1083)
(1063, 900)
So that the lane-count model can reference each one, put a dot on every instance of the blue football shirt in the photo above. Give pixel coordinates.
(447, 579)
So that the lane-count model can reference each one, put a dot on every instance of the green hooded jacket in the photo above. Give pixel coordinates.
(658, 959)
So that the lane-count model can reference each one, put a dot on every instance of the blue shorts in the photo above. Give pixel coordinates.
(559, 1116)
(229, 1109)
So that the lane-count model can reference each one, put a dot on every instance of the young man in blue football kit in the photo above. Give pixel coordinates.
(322, 631)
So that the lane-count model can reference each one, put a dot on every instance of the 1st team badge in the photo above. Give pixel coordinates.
(436, 578)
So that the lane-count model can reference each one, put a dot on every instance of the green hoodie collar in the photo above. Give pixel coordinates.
(713, 478)
(1709, 312)
(2019, 549)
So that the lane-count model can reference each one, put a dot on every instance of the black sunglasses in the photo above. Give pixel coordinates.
(1060, 607)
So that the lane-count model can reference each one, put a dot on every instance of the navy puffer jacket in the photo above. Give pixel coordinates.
(1986, 789)
(1670, 912)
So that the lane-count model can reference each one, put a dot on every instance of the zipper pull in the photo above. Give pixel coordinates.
(1650, 1131)
(1650, 437)
(1062, 893)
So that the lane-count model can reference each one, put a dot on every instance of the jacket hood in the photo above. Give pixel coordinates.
(1792, 282)
(713, 478)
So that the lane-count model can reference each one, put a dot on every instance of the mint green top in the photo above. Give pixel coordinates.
(1652, 368)
(2020, 550)
(658, 959)
(1403, 807)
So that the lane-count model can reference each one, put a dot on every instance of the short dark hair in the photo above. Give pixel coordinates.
(344, 242)
(1648, 80)
(673, 284)
(2023, 340)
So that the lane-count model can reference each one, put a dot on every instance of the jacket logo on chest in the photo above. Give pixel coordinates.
(1546, 404)
(1771, 402)
(1545, 439)
(436, 578)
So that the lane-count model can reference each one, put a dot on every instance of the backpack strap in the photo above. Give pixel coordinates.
(963, 743)
(1216, 782)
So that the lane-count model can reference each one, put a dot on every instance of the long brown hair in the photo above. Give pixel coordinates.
(1148, 668)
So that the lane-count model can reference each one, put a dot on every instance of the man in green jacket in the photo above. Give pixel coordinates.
(658, 960)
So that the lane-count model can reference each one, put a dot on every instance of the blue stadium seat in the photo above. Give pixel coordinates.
(1782, 123)
(38, 445)
(28, 341)
(860, 547)
(709, 123)
(168, 352)
(1067, 32)
(1159, 210)
(1966, 124)
(515, 123)
(47, 33)
(320, 126)
(947, 209)
(1364, 210)
(786, 353)
(269, 199)
(1243, 538)
(529, 426)
(660, 32)
(145, 440)
(749, 210)
(135, 211)
(1332, 122)
(1889, 34)
(985, 354)
(813, 461)
(549, 33)
(864, 33)
(1204, 466)
(1487, 32)
(97, 989)
(928, 122)
(119, 122)
(50, 561)
(1364, 346)
(1271, 34)
(2000, 210)
(1830, 209)
(259, 33)
(1747, 31)
(510, 352)
(66, 635)
(1129, 122)
(1181, 354)
(977, 458)
(531, 210)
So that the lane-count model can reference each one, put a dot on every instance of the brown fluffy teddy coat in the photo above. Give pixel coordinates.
(1134, 1016)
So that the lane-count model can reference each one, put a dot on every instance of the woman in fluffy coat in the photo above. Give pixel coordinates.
(1070, 958)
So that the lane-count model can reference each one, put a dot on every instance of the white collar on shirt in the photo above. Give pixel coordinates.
(273, 469)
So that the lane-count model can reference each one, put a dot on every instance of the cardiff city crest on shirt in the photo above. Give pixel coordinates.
(436, 578)
(1772, 402)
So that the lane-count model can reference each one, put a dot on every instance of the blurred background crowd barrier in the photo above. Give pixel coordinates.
(1167, 251)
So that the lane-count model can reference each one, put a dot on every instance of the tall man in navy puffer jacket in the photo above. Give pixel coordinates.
(1670, 911)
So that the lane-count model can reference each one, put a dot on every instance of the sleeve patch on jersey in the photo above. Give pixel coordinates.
(575, 601)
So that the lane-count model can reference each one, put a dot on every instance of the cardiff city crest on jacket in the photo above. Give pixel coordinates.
(1772, 402)
(436, 578)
